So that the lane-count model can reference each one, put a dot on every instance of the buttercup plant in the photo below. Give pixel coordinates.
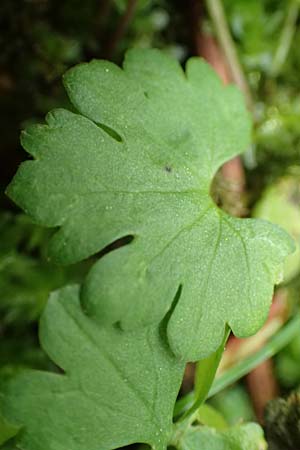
(137, 159)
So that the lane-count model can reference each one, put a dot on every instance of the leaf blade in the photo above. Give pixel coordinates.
(152, 183)
(117, 388)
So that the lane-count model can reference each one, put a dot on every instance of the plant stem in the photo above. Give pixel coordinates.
(286, 37)
(101, 19)
(218, 18)
(121, 27)
(276, 343)
(205, 374)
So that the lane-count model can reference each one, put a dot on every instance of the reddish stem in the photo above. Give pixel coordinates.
(262, 387)
(121, 28)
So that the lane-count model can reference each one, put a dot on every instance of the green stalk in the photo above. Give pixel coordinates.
(205, 374)
(218, 18)
(287, 333)
(286, 37)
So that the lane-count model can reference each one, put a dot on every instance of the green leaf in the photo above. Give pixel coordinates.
(117, 388)
(138, 160)
(240, 437)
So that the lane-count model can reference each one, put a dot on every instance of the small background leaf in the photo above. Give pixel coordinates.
(240, 437)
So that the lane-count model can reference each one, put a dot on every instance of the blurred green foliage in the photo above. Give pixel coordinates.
(262, 31)
(26, 279)
(237, 396)
(256, 27)
(27, 276)
(287, 365)
(280, 204)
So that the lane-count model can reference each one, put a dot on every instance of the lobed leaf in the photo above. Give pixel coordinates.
(138, 159)
(118, 387)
